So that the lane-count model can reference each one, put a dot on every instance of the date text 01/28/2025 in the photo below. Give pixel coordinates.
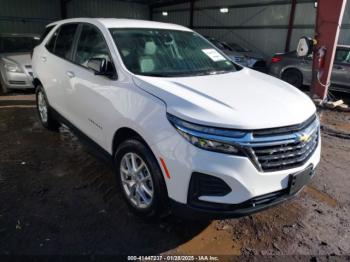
(173, 258)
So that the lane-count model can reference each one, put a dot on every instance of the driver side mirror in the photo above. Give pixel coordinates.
(305, 46)
(102, 67)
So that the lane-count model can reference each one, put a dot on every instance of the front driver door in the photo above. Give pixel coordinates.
(88, 99)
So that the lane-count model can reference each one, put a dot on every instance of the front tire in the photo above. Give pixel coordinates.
(141, 179)
(44, 111)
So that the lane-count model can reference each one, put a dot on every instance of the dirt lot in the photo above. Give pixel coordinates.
(57, 198)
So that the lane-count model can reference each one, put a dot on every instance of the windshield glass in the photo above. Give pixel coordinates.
(166, 53)
(15, 44)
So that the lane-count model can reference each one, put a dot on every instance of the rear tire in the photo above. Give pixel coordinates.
(293, 77)
(144, 191)
(44, 111)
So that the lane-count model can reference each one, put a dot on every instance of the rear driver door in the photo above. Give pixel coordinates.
(55, 63)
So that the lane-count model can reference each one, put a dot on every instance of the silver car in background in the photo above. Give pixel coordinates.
(233, 55)
(298, 71)
(255, 60)
(15, 61)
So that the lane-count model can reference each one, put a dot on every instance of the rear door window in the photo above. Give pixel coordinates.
(51, 44)
(64, 42)
(45, 33)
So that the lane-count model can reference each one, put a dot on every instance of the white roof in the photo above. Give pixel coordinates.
(125, 23)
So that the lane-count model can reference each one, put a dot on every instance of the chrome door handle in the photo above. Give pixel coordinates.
(70, 74)
(43, 58)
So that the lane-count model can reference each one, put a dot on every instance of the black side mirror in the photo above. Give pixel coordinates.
(102, 67)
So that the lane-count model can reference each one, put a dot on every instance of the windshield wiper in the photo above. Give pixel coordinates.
(216, 72)
(156, 74)
(195, 73)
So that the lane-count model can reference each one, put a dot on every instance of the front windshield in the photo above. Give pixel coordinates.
(166, 53)
(16, 44)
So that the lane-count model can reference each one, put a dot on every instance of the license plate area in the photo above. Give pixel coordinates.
(300, 179)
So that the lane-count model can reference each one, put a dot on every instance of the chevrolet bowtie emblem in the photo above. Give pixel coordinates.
(304, 138)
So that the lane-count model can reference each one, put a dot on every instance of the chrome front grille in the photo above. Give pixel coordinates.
(285, 155)
(283, 148)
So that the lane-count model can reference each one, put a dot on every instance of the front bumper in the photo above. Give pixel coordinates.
(228, 211)
(15, 80)
(245, 181)
(238, 172)
(207, 210)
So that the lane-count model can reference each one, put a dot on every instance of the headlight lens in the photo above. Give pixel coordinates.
(11, 66)
(208, 138)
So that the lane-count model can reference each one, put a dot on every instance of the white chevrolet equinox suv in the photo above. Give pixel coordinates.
(188, 130)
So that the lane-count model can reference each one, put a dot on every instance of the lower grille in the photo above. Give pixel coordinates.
(265, 199)
(12, 82)
(256, 202)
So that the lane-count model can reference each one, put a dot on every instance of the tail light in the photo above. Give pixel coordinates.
(276, 59)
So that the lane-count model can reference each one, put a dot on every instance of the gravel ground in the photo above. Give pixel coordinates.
(57, 198)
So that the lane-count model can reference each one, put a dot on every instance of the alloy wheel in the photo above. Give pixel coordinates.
(42, 106)
(136, 180)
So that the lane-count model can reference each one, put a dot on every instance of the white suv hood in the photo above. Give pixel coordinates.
(243, 100)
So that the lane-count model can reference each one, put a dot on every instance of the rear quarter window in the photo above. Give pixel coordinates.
(45, 33)
(51, 43)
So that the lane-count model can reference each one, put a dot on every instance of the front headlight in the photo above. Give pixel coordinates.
(208, 138)
(11, 66)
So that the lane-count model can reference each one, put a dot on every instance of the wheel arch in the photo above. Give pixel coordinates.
(37, 82)
(124, 133)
